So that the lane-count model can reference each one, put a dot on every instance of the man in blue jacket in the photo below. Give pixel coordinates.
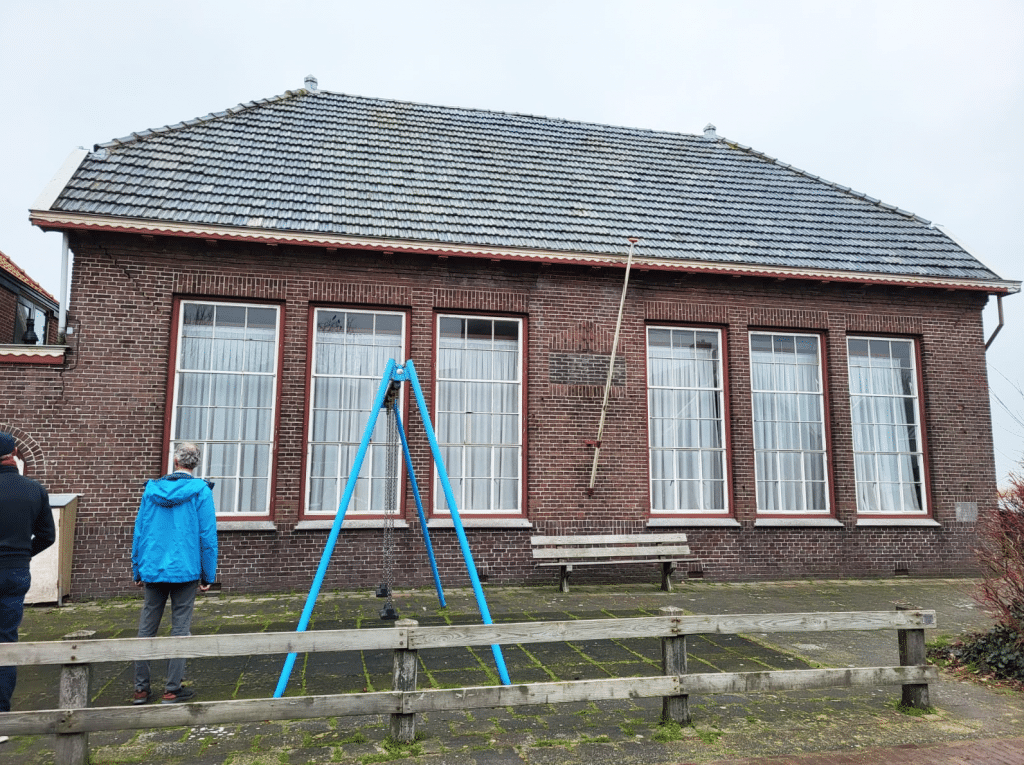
(174, 553)
(26, 528)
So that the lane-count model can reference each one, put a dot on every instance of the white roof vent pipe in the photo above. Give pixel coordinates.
(709, 133)
(310, 83)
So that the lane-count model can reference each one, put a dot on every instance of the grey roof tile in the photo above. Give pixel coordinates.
(331, 163)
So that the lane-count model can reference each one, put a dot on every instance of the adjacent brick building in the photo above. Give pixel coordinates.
(800, 378)
(28, 313)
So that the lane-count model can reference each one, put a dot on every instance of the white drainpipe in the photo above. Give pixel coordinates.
(62, 304)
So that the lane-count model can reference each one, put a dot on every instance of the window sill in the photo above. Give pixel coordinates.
(246, 526)
(481, 523)
(924, 522)
(349, 523)
(824, 523)
(730, 523)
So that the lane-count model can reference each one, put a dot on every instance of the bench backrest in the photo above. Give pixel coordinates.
(585, 546)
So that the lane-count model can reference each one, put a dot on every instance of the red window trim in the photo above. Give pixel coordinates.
(429, 506)
(826, 404)
(730, 505)
(172, 369)
(304, 514)
(916, 342)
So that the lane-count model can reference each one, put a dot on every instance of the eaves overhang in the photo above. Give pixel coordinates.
(59, 221)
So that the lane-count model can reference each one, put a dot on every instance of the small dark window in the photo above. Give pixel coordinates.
(29, 324)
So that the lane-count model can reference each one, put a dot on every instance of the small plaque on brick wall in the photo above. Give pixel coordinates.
(966, 512)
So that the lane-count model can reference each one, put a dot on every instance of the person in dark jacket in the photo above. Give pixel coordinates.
(174, 554)
(26, 529)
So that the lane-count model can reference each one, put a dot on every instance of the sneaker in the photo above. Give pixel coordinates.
(185, 694)
(141, 697)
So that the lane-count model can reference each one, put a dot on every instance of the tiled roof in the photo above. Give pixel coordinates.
(328, 163)
(12, 268)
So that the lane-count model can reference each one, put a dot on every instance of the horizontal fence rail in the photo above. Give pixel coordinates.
(454, 636)
(448, 699)
(73, 723)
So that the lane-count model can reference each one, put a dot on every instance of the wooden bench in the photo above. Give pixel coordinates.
(610, 550)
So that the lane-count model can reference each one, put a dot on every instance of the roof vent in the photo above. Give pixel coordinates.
(709, 133)
(310, 83)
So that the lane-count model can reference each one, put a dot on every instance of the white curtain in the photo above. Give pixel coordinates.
(886, 441)
(685, 420)
(226, 381)
(789, 428)
(478, 412)
(350, 351)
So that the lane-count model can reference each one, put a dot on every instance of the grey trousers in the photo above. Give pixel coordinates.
(183, 598)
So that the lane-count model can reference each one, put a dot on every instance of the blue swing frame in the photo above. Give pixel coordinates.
(393, 373)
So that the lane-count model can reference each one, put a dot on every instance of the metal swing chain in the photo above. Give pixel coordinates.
(390, 500)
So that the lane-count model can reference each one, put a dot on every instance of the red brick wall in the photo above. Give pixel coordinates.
(8, 307)
(100, 422)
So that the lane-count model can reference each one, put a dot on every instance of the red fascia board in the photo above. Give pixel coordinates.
(468, 252)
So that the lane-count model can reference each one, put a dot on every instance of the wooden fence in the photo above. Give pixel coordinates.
(75, 720)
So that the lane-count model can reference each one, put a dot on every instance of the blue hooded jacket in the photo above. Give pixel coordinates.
(175, 532)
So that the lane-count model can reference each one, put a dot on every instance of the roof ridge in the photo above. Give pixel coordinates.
(149, 132)
(512, 114)
(833, 184)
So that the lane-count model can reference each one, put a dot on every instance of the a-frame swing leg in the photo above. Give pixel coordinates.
(394, 373)
(442, 473)
(332, 538)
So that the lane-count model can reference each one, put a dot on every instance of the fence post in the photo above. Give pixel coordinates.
(73, 748)
(403, 726)
(673, 662)
(912, 654)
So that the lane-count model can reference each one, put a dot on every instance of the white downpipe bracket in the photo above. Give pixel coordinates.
(611, 370)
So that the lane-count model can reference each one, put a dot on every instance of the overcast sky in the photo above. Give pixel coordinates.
(919, 103)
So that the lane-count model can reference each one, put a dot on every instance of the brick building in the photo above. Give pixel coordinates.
(800, 379)
(28, 313)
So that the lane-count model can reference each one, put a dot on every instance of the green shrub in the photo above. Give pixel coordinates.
(997, 653)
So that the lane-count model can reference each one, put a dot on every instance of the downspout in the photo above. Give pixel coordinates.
(999, 302)
(611, 371)
(62, 305)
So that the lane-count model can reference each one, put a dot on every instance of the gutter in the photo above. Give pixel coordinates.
(53, 220)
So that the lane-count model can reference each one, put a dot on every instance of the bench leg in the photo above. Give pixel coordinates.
(667, 569)
(563, 578)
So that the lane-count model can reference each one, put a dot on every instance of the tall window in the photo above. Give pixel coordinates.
(350, 351)
(687, 441)
(479, 413)
(224, 398)
(887, 450)
(789, 423)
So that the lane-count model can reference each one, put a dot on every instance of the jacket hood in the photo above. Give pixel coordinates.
(172, 490)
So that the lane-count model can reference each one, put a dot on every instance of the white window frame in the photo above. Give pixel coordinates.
(772, 459)
(208, 445)
(457, 472)
(884, 412)
(370, 491)
(674, 435)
